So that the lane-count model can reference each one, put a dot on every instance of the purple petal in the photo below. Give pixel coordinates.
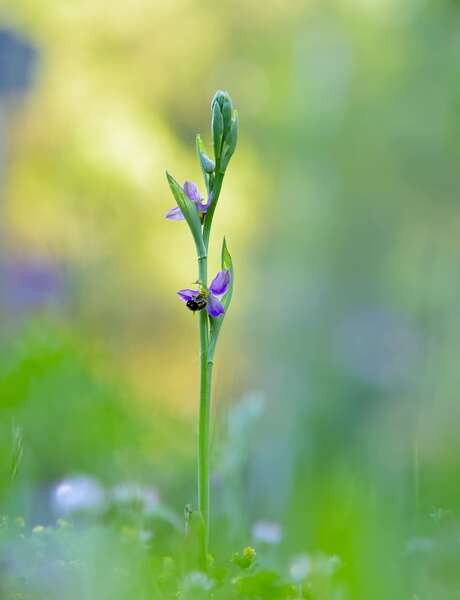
(187, 295)
(214, 307)
(203, 207)
(221, 282)
(175, 214)
(192, 191)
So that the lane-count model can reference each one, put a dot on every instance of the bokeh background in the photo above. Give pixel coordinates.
(336, 417)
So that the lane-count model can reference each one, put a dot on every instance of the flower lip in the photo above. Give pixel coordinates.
(214, 307)
(203, 206)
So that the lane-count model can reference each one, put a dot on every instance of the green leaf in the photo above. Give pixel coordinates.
(16, 458)
(227, 263)
(226, 259)
(194, 531)
(190, 213)
(265, 584)
(216, 323)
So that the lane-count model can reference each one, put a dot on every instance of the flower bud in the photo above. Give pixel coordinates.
(217, 126)
(226, 108)
(207, 164)
(227, 112)
(220, 98)
(222, 121)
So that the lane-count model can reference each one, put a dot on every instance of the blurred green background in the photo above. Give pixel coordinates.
(336, 412)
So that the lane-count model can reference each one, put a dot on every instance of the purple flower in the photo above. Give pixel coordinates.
(191, 191)
(208, 298)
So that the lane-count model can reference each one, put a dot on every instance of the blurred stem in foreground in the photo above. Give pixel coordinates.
(215, 298)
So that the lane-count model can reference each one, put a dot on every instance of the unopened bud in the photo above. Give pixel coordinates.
(207, 164)
(222, 122)
(226, 108)
(217, 126)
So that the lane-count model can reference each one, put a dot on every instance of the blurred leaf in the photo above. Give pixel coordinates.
(245, 559)
(17, 451)
(265, 584)
(73, 420)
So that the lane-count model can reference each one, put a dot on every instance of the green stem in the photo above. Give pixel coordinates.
(203, 425)
(206, 365)
(218, 179)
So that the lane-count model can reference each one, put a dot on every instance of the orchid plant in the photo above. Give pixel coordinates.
(211, 302)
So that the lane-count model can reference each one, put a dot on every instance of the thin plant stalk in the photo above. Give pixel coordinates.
(203, 425)
(206, 367)
(215, 299)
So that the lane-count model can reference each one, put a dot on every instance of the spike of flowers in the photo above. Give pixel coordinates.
(215, 298)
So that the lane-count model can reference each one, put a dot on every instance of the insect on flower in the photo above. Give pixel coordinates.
(197, 300)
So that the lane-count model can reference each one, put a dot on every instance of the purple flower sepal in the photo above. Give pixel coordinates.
(209, 298)
(192, 193)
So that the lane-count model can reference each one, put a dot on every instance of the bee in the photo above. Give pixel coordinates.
(197, 303)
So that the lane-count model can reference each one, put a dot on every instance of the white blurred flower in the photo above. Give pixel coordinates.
(267, 532)
(300, 567)
(195, 582)
(135, 493)
(77, 494)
